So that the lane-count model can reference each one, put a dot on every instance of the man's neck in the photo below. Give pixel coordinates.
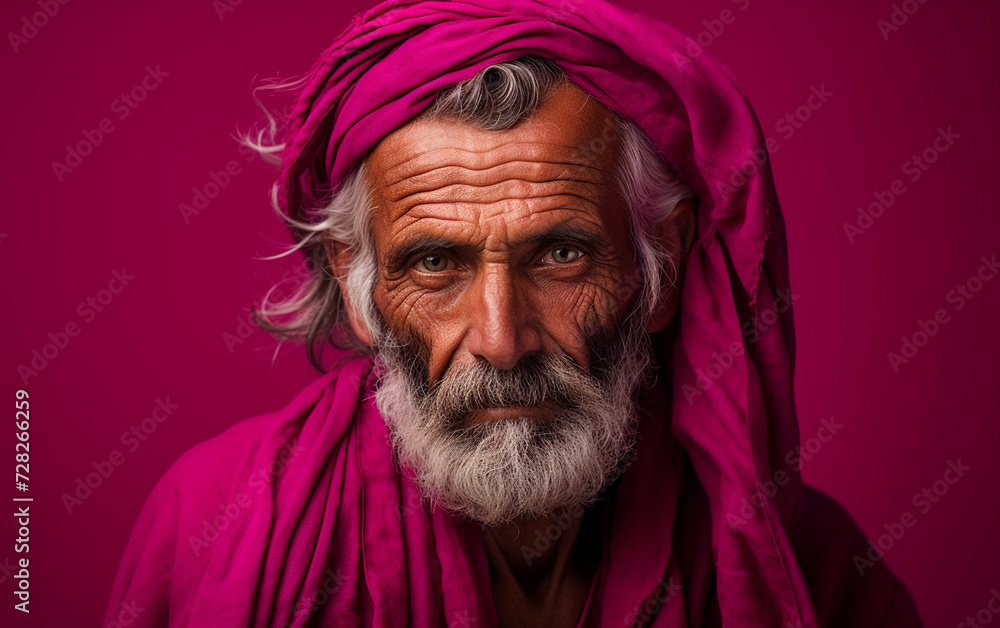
(537, 575)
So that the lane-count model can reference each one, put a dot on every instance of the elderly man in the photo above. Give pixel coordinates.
(551, 236)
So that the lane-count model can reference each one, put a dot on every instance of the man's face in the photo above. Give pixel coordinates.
(492, 245)
(502, 258)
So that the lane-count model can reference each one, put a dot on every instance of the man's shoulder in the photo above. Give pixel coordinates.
(213, 487)
(217, 459)
(214, 465)
(196, 494)
(849, 585)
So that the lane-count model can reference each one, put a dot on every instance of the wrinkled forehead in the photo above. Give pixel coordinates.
(571, 132)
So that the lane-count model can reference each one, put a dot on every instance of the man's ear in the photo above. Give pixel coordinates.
(676, 234)
(338, 256)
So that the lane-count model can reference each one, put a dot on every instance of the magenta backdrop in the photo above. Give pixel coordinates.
(108, 226)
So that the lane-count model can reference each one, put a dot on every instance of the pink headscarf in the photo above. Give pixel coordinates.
(706, 447)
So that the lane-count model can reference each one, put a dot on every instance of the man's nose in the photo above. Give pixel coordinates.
(502, 320)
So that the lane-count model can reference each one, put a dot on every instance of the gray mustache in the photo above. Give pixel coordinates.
(535, 380)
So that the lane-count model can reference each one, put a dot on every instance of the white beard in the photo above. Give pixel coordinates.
(502, 470)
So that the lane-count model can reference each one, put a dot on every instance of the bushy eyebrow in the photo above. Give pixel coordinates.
(400, 256)
(569, 232)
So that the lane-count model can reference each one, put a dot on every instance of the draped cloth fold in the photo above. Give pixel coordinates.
(335, 535)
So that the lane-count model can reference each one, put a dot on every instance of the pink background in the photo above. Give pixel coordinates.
(163, 337)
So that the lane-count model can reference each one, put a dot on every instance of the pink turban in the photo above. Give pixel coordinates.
(690, 510)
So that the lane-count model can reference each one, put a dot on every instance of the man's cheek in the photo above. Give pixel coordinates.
(428, 317)
(406, 306)
(394, 297)
(585, 300)
(573, 313)
(419, 307)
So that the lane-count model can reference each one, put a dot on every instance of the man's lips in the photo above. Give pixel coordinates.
(540, 412)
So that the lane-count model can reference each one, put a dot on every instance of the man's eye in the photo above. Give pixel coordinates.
(434, 263)
(562, 255)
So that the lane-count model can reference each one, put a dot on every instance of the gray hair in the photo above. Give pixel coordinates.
(498, 98)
